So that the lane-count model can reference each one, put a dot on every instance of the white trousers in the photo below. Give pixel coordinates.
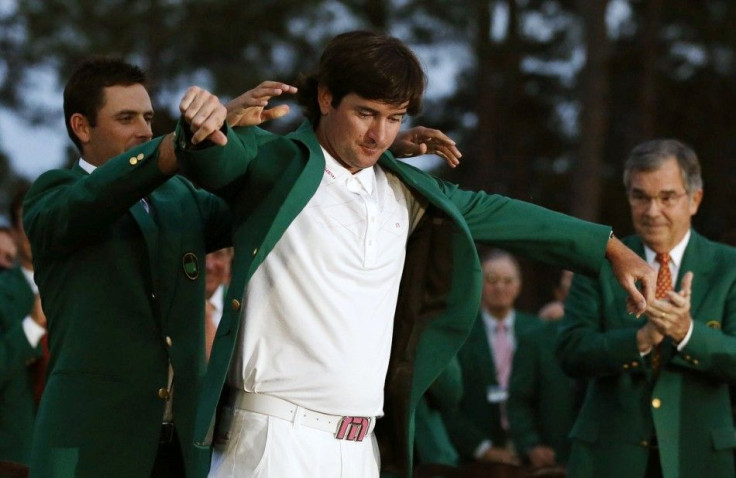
(261, 446)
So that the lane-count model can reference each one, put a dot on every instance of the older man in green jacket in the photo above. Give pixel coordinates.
(361, 272)
(657, 403)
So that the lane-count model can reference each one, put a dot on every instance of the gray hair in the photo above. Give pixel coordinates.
(650, 156)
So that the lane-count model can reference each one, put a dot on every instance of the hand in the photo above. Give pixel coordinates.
(205, 115)
(37, 313)
(248, 109)
(552, 311)
(628, 269)
(672, 317)
(541, 456)
(647, 337)
(500, 455)
(420, 140)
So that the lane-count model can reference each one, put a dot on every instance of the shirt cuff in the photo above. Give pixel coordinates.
(689, 334)
(33, 331)
(482, 448)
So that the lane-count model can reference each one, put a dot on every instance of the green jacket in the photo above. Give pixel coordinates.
(477, 419)
(123, 291)
(440, 289)
(17, 404)
(432, 441)
(542, 399)
(687, 405)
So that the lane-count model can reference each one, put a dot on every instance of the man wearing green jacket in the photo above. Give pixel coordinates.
(543, 401)
(657, 403)
(479, 427)
(119, 245)
(22, 327)
(362, 275)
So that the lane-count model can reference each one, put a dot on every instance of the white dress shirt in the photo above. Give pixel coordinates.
(319, 310)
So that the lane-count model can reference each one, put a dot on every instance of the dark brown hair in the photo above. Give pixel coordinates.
(372, 65)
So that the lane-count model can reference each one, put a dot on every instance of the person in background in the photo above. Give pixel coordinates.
(479, 427)
(8, 248)
(556, 309)
(22, 334)
(657, 401)
(543, 401)
(217, 278)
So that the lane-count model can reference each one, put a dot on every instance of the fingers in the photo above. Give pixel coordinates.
(248, 108)
(648, 282)
(205, 115)
(419, 140)
(686, 284)
(275, 112)
(438, 143)
(636, 303)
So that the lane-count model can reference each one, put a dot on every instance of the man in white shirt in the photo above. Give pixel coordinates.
(657, 402)
(361, 272)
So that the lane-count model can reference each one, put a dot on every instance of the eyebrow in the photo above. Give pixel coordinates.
(133, 112)
(638, 190)
(375, 111)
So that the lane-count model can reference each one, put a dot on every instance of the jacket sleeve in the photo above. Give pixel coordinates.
(216, 168)
(712, 351)
(62, 207)
(589, 344)
(531, 230)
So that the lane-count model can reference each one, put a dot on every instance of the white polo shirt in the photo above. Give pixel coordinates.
(319, 310)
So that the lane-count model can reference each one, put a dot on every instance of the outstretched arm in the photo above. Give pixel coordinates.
(628, 268)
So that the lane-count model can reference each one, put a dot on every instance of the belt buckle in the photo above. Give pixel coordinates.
(353, 428)
(167, 433)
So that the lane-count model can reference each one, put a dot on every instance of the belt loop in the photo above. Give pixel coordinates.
(296, 422)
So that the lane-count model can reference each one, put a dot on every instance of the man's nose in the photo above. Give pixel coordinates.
(378, 131)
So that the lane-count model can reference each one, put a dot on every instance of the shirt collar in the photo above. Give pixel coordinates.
(217, 298)
(28, 274)
(675, 254)
(491, 321)
(86, 166)
(337, 172)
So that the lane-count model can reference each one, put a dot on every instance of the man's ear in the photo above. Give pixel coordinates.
(81, 127)
(324, 97)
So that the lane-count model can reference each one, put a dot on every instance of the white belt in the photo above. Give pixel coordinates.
(342, 428)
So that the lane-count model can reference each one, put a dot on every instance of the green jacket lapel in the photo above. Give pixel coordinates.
(304, 186)
(149, 229)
